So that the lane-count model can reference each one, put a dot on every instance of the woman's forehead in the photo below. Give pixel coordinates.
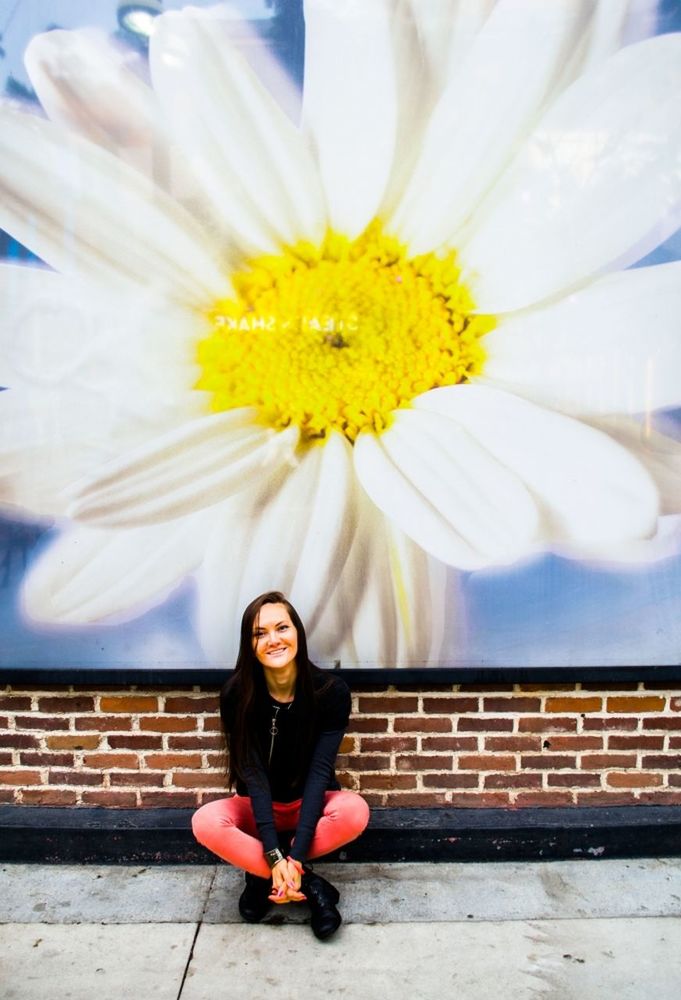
(271, 614)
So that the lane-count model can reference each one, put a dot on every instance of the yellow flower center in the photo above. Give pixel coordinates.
(336, 337)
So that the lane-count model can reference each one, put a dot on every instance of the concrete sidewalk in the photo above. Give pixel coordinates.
(588, 930)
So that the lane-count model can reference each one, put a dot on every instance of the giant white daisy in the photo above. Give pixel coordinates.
(337, 356)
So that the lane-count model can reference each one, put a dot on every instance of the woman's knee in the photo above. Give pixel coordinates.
(353, 811)
(208, 818)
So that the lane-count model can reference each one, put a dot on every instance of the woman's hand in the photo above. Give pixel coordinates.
(286, 877)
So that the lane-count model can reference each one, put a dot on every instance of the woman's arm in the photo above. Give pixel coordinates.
(316, 785)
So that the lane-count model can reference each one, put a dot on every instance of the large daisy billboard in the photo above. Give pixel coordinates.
(402, 341)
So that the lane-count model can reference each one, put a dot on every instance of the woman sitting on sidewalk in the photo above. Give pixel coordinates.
(284, 719)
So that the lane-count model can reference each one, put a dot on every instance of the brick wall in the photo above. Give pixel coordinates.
(460, 745)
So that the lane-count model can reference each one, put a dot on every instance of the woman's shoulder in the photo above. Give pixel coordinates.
(334, 698)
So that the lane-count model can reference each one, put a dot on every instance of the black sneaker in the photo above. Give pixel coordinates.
(253, 901)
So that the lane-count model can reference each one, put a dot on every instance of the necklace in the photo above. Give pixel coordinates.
(274, 731)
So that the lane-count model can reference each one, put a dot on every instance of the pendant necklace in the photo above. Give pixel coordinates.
(276, 709)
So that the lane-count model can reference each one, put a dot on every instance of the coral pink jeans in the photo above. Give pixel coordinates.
(227, 827)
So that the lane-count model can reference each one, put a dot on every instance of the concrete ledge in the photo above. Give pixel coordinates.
(163, 836)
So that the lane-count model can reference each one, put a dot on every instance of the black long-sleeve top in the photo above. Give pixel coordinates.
(281, 770)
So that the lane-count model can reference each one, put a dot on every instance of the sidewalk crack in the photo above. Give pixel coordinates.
(196, 932)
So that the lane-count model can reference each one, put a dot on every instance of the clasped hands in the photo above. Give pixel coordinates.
(286, 877)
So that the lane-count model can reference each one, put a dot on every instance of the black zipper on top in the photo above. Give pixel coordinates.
(273, 727)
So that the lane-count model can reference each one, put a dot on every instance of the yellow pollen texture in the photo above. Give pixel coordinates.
(336, 337)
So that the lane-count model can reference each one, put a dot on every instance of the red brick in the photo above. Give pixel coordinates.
(424, 762)
(575, 779)
(637, 742)
(453, 705)
(49, 797)
(106, 761)
(135, 741)
(161, 761)
(423, 724)
(211, 724)
(389, 743)
(452, 780)
(480, 800)
(8, 777)
(138, 779)
(602, 687)
(486, 762)
(640, 705)
(388, 704)
(662, 797)
(348, 744)
(68, 703)
(528, 800)
(663, 723)
(593, 761)
(619, 722)
(547, 761)
(41, 722)
(7, 758)
(414, 799)
(376, 799)
(513, 743)
(674, 743)
(216, 760)
(387, 781)
(42, 758)
(71, 777)
(15, 703)
(507, 706)
(196, 742)
(18, 741)
(198, 779)
(168, 799)
(73, 742)
(632, 779)
(379, 724)
(506, 780)
(131, 704)
(601, 798)
(576, 704)
(167, 723)
(675, 704)
(8, 795)
(190, 706)
(574, 743)
(364, 762)
(667, 762)
(110, 798)
(546, 724)
(104, 723)
(474, 724)
(456, 743)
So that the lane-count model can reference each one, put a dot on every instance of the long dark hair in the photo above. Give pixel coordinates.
(247, 690)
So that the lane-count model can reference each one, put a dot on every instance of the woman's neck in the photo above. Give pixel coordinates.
(281, 683)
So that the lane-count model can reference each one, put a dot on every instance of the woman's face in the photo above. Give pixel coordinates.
(275, 638)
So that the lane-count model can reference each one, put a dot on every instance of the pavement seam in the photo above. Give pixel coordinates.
(190, 956)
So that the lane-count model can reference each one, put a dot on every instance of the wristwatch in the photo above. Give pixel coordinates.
(273, 857)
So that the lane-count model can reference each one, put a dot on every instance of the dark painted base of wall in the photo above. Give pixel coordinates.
(163, 836)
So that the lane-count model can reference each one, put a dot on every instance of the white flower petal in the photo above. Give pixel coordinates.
(88, 574)
(612, 347)
(599, 175)
(488, 105)
(432, 478)
(93, 216)
(659, 453)
(86, 83)
(184, 470)
(293, 535)
(593, 490)
(350, 105)
(251, 160)
(388, 608)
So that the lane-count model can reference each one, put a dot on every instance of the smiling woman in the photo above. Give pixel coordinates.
(284, 720)
(354, 354)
